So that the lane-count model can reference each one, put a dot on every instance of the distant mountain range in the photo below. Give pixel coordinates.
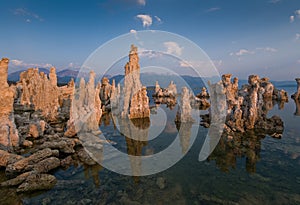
(148, 79)
(63, 77)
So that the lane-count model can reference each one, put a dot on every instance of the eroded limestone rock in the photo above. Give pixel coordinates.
(170, 91)
(184, 112)
(85, 110)
(135, 97)
(139, 107)
(39, 91)
(247, 108)
(9, 137)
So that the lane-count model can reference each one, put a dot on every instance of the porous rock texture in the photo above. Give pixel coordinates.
(136, 101)
(9, 136)
(85, 111)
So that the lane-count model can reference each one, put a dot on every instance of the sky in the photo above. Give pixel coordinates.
(241, 37)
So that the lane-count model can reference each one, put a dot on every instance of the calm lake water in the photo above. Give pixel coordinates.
(254, 169)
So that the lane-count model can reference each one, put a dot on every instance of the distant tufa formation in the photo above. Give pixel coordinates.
(296, 97)
(170, 91)
(136, 101)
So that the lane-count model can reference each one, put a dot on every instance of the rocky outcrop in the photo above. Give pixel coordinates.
(247, 108)
(296, 95)
(109, 94)
(139, 107)
(9, 136)
(85, 110)
(105, 93)
(184, 113)
(135, 97)
(40, 91)
(201, 101)
(170, 91)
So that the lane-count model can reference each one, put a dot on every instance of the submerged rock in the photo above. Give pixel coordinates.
(36, 182)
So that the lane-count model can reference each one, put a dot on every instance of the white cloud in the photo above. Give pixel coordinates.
(158, 19)
(292, 19)
(20, 63)
(201, 64)
(242, 52)
(149, 53)
(173, 48)
(274, 1)
(27, 14)
(133, 31)
(146, 19)
(297, 12)
(212, 9)
(297, 36)
(141, 2)
(268, 49)
(16, 62)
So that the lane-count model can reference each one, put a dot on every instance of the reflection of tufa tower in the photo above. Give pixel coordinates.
(135, 97)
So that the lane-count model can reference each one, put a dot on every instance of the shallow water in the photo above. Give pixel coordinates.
(254, 169)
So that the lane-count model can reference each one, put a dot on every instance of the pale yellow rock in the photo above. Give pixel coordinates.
(8, 133)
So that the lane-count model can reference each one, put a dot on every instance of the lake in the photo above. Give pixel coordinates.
(252, 169)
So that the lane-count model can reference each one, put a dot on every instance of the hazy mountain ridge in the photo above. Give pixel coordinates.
(148, 79)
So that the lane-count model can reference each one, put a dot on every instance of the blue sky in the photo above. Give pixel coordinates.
(241, 36)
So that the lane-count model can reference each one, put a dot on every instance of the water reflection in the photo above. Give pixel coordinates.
(169, 101)
(184, 129)
(297, 111)
(231, 148)
(92, 172)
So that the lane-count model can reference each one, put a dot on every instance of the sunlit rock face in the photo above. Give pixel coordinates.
(85, 112)
(9, 137)
(40, 91)
(135, 97)
(170, 91)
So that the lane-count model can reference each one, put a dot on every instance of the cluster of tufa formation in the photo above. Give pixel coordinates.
(201, 100)
(8, 133)
(247, 107)
(85, 112)
(136, 100)
(39, 91)
(170, 91)
(33, 118)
